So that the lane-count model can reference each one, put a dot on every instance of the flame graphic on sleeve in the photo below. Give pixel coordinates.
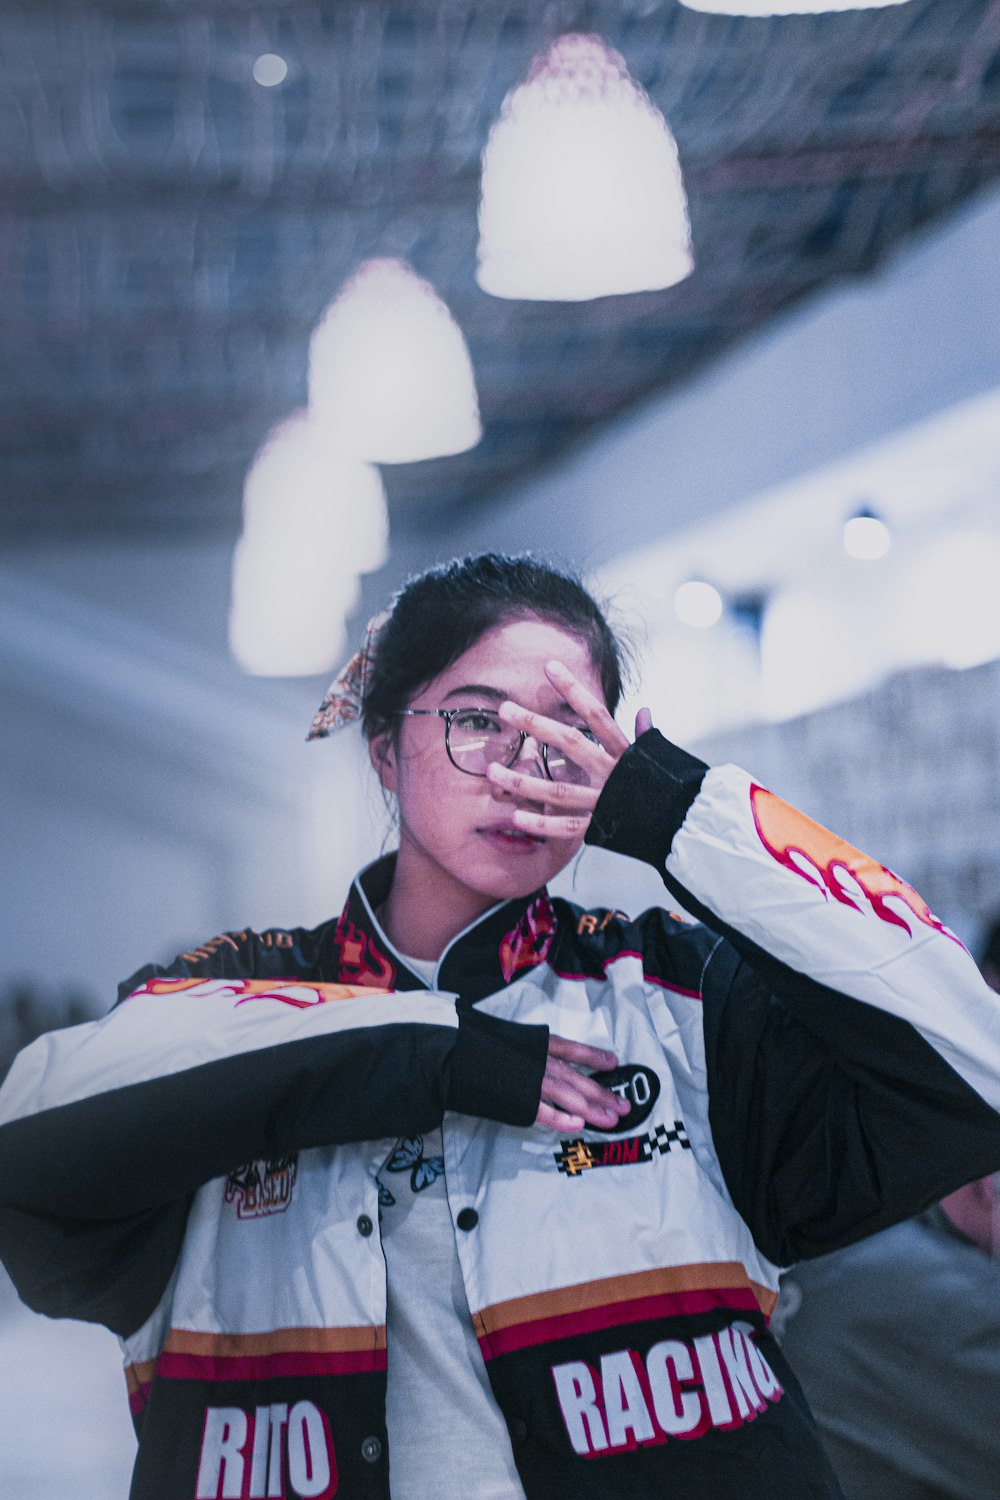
(835, 867)
(295, 992)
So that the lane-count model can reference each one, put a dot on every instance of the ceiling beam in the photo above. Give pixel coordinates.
(426, 184)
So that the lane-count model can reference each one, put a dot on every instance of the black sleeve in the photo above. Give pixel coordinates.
(852, 1048)
(831, 1128)
(107, 1129)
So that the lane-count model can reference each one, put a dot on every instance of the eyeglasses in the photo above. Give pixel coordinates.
(477, 738)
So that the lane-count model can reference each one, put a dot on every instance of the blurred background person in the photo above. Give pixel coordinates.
(989, 958)
(27, 1010)
(897, 1343)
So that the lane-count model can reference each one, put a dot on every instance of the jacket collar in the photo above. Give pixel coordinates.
(484, 957)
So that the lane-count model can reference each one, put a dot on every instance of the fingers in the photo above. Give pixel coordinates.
(566, 805)
(580, 1097)
(643, 721)
(570, 1100)
(566, 795)
(567, 1109)
(581, 1054)
(551, 825)
(592, 711)
(558, 1119)
(586, 752)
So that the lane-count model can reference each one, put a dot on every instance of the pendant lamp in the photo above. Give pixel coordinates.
(866, 536)
(582, 193)
(312, 521)
(784, 7)
(390, 379)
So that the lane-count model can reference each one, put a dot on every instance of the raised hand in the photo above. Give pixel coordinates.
(567, 805)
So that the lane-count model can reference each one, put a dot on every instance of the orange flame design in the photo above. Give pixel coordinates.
(299, 993)
(835, 867)
(165, 986)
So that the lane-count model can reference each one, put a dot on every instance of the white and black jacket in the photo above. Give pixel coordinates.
(198, 1169)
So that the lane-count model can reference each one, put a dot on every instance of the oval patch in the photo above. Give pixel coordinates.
(636, 1083)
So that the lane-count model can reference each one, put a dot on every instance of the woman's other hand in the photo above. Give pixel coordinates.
(571, 1100)
(567, 805)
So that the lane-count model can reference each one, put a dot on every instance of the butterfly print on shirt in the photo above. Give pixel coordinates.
(408, 1156)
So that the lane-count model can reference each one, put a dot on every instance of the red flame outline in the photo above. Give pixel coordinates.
(789, 837)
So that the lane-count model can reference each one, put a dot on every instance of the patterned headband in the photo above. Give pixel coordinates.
(346, 694)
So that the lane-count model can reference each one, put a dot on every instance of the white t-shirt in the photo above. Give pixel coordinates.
(446, 1434)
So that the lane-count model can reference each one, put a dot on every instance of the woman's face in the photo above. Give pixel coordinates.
(456, 830)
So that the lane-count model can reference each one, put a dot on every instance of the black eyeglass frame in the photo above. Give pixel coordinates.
(448, 714)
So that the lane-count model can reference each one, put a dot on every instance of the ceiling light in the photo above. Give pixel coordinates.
(698, 603)
(866, 536)
(270, 70)
(390, 379)
(581, 186)
(783, 7)
(312, 521)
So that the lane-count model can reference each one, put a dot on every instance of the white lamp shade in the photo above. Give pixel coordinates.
(390, 379)
(783, 7)
(279, 630)
(582, 193)
(312, 521)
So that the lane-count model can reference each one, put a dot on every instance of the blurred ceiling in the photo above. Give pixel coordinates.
(170, 231)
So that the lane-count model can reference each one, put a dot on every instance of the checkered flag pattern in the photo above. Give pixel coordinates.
(662, 1139)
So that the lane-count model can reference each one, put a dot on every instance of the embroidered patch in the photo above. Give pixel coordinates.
(595, 921)
(361, 960)
(528, 943)
(579, 1155)
(263, 1187)
(272, 938)
(636, 1083)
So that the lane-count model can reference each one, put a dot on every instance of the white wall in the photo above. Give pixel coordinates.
(149, 795)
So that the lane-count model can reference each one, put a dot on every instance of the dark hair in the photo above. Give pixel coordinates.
(440, 614)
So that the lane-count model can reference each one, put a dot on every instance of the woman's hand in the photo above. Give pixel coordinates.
(571, 1100)
(568, 806)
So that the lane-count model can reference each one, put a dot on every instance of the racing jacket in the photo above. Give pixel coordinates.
(813, 1058)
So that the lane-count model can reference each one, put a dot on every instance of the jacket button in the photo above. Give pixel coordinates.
(371, 1450)
(365, 1227)
(467, 1218)
(518, 1430)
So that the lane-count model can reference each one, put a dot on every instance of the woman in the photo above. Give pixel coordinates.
(561, 1154)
